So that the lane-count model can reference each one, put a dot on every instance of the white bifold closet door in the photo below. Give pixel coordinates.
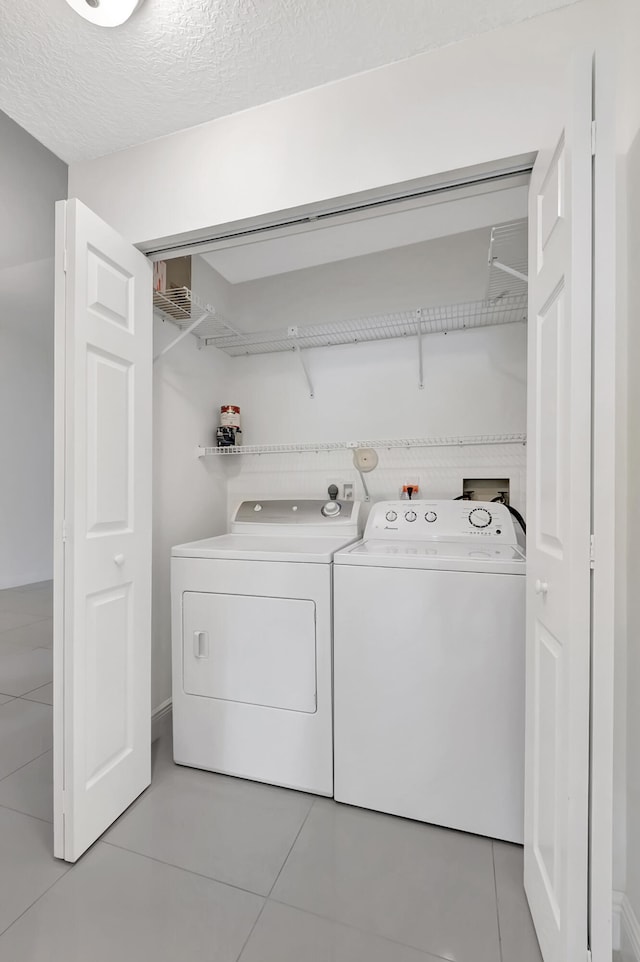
(558, 544)
(102, 557)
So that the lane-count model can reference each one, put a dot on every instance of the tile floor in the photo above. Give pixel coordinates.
(204, 867)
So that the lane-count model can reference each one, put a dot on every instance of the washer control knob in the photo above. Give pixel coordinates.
(480, 518)
(331, 509)
(391, 516)
(431, 516)
(410, 516)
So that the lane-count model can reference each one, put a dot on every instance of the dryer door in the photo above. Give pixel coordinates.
(250, 649)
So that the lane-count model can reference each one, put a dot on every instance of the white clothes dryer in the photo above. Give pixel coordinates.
(429, 666)
(252, 643)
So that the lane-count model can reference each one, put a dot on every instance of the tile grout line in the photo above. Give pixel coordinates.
(25, 696)
(20, 767)
(495, 888)
(17, 811)
(28, 624)
(286, 859)
(304, 822)
(181, 868)
(251, 931)
(326, 918)
(42, 895)
(428, 953)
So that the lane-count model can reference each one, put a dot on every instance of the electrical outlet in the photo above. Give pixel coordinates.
(347, 491)
(411, 482)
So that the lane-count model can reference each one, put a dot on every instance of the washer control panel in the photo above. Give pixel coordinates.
(441, 521)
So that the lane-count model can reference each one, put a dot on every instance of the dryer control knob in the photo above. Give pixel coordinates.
(431, 516)
(410, 516)
(391, 516)
(480, 518)
(331, 509)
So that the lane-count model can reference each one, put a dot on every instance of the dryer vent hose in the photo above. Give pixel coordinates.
(513, 511)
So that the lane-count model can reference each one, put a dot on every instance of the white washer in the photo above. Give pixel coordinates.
(429, 662)
(252, 638)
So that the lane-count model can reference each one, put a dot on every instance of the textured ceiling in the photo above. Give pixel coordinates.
(84, 91)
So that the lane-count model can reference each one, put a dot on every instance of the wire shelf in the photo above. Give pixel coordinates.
(183, 308)
(427, 320)
(315, 447)
(508, 247)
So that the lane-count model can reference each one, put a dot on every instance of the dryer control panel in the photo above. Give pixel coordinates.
(441, 521)
(300, 517)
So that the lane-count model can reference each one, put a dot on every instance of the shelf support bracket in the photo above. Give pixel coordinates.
(510, 270)
(305, 369)
(188, 330)
(420, 356)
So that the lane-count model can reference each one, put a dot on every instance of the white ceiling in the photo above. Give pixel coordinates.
(85, 91)
(383, 229)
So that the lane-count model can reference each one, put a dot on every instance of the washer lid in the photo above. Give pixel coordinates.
(249, 547)
(435, 555)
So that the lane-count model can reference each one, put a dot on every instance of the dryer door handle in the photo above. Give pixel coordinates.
(201, 644)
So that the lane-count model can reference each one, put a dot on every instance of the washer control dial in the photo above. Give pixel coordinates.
(431, 516)
(410, 516)
(331, 509)
(391, 516)
(480, 518)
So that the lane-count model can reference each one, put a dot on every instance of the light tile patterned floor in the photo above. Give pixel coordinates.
(204, 867)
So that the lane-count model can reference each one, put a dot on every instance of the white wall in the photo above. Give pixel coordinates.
(442, 271)
(31, 180)
(26, 423)
(493, 96)
(189, 498)
(475, 383)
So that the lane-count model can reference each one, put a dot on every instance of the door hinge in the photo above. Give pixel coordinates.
(64, 261)
(65, 532)
(592, 556)
(593, 138)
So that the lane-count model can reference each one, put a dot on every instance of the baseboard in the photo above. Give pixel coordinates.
(629, 932)
(158, 716)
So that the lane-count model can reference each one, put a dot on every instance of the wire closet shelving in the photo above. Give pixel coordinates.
(317, 447)
(508, 260)
(182, 308)
(505, 303)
